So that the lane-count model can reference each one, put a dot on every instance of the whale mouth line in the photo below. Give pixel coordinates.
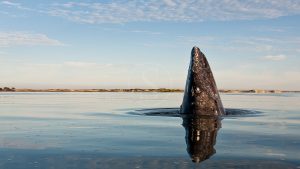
(175, 112)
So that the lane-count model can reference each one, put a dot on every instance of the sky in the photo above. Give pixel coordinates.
(250, 44)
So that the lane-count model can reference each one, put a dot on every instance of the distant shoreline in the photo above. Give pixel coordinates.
(161, 90)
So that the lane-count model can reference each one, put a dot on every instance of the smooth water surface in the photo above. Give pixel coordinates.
(99, 130)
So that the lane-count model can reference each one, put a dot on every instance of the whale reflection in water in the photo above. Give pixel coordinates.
(201, 134)
(201, 130)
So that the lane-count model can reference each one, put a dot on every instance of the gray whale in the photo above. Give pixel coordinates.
(201, 95)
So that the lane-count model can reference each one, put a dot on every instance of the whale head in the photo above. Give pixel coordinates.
(201, 95)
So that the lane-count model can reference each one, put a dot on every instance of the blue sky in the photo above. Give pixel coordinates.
(146, 44)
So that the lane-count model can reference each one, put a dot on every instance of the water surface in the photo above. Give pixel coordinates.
(98, 130)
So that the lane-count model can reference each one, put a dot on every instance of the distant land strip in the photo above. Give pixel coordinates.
(12, 89)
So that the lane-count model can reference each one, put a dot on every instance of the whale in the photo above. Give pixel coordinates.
(201, 95)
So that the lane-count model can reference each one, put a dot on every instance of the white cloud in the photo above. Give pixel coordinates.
(170, 2)
(120, 11)
(9, 3)
(79, 64)
(174, 10)
(275, 57)
(146, 32)
(15, 5)
(23, 38)
(275, 29)
(259, 46)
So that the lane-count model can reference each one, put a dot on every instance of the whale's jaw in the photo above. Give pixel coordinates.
(201, 95)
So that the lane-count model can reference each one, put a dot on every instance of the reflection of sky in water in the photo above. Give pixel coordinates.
(98, 123)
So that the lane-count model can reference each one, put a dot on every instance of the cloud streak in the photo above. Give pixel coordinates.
(275, 57)
(8, 39)
(174, 10)
(262, 45)
(15, 5)
(119, 11)
(10, 3)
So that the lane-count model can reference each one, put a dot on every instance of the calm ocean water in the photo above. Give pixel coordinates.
(98, 130)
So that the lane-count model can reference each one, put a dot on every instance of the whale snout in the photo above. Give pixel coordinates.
(199, 60)
(201, 95)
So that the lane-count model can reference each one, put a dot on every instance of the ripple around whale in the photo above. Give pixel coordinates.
(175, 112)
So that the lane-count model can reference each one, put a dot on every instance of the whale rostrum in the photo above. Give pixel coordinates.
(201, 95)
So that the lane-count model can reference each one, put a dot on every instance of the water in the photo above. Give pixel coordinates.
(99, 130)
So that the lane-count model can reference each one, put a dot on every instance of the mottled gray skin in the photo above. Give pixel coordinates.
(201, 95)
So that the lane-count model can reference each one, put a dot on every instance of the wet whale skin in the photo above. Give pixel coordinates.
(201, 95)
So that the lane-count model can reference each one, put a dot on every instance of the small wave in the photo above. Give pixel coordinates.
(169, 112)
(175, 112)
(232, 112)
